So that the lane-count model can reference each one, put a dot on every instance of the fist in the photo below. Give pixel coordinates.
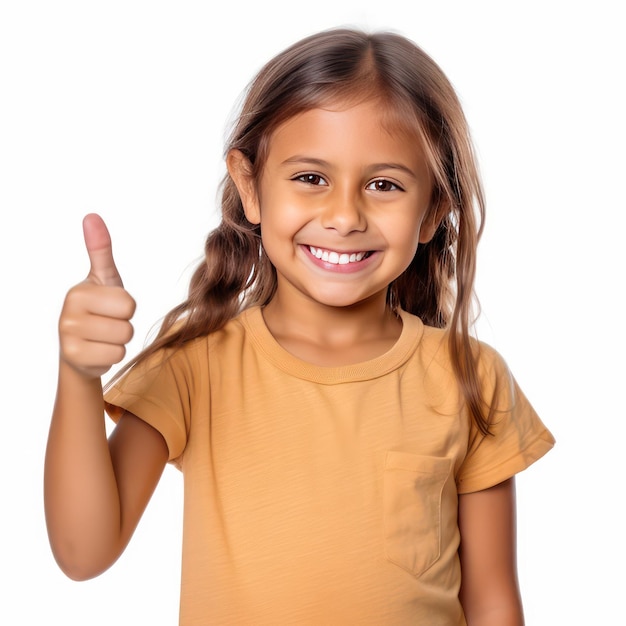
(94, 326)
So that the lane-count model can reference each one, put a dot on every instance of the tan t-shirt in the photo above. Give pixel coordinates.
(325, 495)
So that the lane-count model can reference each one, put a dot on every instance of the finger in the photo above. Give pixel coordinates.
(101, 300)
(98, 329)
(98, 243)
(91, 358)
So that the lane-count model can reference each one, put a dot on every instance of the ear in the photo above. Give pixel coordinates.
(432, 219)
(240, 170)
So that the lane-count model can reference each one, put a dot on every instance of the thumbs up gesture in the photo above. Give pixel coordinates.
(94, 326)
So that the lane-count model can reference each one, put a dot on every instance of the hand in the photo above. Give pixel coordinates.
(94, 326)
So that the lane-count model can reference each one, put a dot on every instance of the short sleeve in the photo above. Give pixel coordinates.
(158, 392)
(518, 437)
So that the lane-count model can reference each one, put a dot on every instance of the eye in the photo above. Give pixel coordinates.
(382, 184)
(311, 179)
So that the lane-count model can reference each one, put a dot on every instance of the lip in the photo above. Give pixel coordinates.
(347, 268)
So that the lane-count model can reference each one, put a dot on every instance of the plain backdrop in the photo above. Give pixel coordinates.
(122, 107)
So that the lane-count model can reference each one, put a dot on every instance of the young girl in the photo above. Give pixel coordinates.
(348, 449)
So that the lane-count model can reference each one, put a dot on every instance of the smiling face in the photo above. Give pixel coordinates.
(341, 201)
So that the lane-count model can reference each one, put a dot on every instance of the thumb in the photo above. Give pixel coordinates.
(98, 243)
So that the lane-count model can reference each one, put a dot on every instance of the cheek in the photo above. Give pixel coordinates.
(404, 235)
(410, 247)
(282, 217)
(278, 229)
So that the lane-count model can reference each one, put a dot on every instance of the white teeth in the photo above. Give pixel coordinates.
(335, 258)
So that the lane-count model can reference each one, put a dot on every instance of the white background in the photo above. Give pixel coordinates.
(121, 108)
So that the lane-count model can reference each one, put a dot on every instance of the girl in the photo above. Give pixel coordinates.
(348, 450)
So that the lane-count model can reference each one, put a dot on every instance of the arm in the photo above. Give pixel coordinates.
(489, 590)
(95, 490)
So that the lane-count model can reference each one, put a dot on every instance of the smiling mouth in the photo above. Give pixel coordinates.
(338, 258)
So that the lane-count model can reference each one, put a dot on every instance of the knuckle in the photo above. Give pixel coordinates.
(129, 304)
(72, 352)
(129, 332)
(117, 354)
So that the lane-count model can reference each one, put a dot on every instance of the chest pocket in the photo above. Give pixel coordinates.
(412, 492)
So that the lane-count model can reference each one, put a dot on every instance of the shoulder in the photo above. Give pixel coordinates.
(233, 331)
(490, 371)
(436, 345)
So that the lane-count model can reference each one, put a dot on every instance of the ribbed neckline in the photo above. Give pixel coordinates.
(411, 335)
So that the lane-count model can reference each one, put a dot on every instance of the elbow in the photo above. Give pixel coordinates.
(79, 564)
(79, 572)
(76, 574)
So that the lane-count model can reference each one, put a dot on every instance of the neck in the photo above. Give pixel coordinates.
(328, 335)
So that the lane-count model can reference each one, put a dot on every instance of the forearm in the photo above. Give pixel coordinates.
(80, 491)
(504, 616)
(489, 588)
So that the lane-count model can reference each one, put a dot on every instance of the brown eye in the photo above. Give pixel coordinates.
(383, 185)
(311, 179)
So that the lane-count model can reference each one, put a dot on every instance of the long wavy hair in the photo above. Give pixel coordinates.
(339, 65)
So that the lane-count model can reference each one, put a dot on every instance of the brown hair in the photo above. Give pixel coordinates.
(438, 285)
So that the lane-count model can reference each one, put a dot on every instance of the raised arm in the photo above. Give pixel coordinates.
(489, 591)
(95, 490)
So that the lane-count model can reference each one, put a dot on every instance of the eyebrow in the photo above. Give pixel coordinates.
(303, 159)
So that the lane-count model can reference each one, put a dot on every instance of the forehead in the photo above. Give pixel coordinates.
(345, 127)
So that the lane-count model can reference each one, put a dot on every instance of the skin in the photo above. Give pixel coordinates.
(328, 183)
(337, 179)
(95, 490)
(489, 590)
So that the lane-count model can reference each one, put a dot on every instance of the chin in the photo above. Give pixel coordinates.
(341, 301)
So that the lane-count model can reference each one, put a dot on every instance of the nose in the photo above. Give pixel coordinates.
(343, 212)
